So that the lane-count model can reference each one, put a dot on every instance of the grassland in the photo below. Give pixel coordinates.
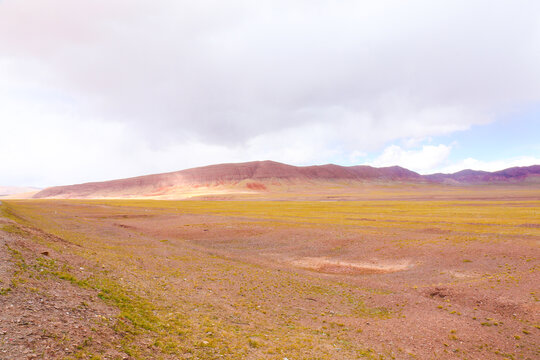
(385, 278)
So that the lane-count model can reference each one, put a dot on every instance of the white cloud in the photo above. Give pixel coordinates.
(423, 160)
(108, 88)
(226, 72)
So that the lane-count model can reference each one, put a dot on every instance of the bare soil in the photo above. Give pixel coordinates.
(44, 318)
(245, 283)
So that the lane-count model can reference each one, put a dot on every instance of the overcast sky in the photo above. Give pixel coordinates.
(104, 89)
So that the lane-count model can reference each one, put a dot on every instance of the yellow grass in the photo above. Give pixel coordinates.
(507, 217)
(182, 299)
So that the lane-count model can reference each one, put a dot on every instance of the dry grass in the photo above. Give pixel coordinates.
(228, 279)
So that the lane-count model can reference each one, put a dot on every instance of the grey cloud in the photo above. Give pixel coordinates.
(226, 72)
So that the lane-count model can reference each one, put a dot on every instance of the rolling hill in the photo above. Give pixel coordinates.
(261, 176)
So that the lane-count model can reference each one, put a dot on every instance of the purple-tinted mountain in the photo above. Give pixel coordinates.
(257, 175)
(514, 174)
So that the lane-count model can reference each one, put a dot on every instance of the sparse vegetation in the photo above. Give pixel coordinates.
(218, 279)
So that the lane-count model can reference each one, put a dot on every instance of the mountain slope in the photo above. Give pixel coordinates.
(260, 175)
(475, 176)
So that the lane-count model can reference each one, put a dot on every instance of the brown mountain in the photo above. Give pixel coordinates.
(265, 175)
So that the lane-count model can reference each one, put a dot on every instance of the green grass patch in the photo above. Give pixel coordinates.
(13, 229)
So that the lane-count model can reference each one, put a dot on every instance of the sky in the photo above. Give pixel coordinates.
(105, 89)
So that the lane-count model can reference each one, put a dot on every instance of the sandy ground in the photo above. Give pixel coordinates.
(277, 285)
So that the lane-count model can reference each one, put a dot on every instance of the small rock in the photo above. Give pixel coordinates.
(46, 253)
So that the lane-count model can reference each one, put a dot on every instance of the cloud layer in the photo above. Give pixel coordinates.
(210, 81)
(427, 158)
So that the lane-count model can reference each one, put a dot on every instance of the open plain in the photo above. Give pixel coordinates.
(420, 272)
(269, 180)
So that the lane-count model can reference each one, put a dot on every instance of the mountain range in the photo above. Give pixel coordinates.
(260, 176)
